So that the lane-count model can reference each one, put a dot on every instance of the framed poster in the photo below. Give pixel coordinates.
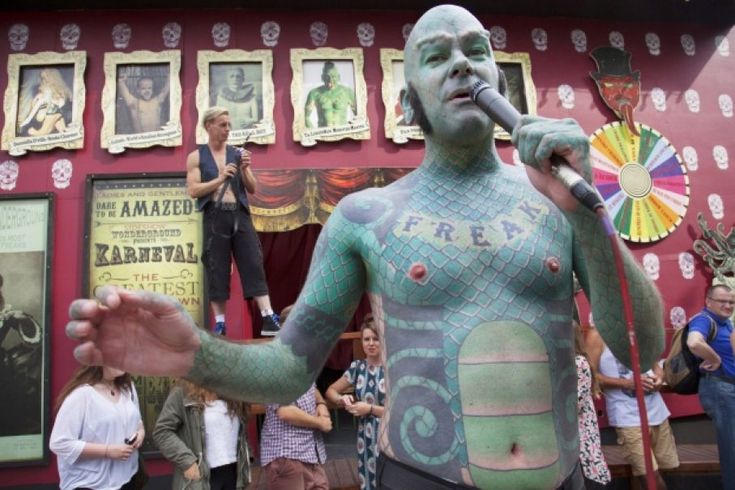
(241, 82)
(521, 89)
(329, 95)
(25, 309)
(143, 232)
(141, 100)
(396, 128)
(44, 102)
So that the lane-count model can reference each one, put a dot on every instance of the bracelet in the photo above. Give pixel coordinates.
(321, 403)
(371, 409)
(106, 447)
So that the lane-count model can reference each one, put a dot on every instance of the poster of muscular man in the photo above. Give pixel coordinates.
(141, 100)
(329, 95)
(24, 312)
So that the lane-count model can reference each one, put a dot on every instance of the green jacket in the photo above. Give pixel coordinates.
(179, 434)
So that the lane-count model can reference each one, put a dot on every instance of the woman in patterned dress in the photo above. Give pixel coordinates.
(594, 467)
(367, 378)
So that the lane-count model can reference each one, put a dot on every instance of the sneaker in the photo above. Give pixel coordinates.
(220, 329)
(271, 325)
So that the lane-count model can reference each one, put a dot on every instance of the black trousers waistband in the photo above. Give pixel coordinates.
(394, 475)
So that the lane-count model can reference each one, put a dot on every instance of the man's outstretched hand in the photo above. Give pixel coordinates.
(137, 331)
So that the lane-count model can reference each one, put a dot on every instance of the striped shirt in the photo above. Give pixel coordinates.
(279, 439)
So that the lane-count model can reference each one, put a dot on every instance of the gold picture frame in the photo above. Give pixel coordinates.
(141, 100)
(242, 82)
(516, 66)
(391, 61)
(521, 89)
(310, 92)
(44, 102)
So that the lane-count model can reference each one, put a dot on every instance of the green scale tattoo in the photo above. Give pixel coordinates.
(469, 274)
(467, 294)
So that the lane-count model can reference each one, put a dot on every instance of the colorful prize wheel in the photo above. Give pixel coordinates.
(642, 180)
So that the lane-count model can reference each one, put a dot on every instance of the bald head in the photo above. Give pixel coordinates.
(447, 49)
(437, 23)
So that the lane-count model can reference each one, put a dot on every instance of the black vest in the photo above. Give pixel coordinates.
(209, 171)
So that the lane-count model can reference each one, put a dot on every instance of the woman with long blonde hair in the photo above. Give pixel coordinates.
(98, 430)
(45, 113)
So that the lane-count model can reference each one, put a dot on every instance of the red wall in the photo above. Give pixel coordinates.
(707, 72)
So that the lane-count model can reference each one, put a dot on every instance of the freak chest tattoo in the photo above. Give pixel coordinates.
(475, 291)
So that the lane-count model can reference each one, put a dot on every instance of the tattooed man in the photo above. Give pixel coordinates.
(468, 265)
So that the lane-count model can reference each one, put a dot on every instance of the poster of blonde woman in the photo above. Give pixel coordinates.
(44, 102)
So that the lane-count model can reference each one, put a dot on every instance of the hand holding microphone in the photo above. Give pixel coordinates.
(504, 114)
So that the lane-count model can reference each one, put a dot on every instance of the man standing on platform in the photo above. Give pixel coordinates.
(219, 177)
(467, 263)
(717, 383)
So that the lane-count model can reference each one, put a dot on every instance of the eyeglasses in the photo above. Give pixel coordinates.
(723, 301)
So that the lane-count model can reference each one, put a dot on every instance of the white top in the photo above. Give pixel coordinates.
(220, 446)
(88, 416)
(622, 405)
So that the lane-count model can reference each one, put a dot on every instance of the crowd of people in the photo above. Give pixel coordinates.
(468, 265)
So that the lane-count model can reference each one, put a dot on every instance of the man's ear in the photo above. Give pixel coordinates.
(409, 114)
(502, 82)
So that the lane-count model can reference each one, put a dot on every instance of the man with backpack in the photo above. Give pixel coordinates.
(717, 381)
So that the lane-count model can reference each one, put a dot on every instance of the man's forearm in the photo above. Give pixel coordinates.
(605, 296)
(262, 373)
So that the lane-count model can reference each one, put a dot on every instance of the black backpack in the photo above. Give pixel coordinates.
(681, 366)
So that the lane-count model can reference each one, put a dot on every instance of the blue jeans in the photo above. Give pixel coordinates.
(717, 397)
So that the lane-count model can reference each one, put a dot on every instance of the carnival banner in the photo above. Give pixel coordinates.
(144, 233)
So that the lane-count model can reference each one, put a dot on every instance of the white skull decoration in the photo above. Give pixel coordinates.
(121, 34)
(221, 34)
(171, 34)
(691, 97)
(725, 102)
(319, 32)
(61, 173)
(651, 265)
(716, 206)
(406, 31)
(69, 36)
(719, 153)
(658, 96)
(653, 43)
(270, 31)
(722, 45)
(686, 265)
(540, 39)
(498, 37)
(616, 40)
(365, 34)
(18, 36)
(678, 317)
(566, 95)
(687, 43)
(690, 158)
(579, 40)
(9, 171)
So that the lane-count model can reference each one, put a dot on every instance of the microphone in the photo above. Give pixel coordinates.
(506, 116)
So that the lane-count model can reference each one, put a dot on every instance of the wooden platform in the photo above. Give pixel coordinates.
(342, 475)
(693, 459)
